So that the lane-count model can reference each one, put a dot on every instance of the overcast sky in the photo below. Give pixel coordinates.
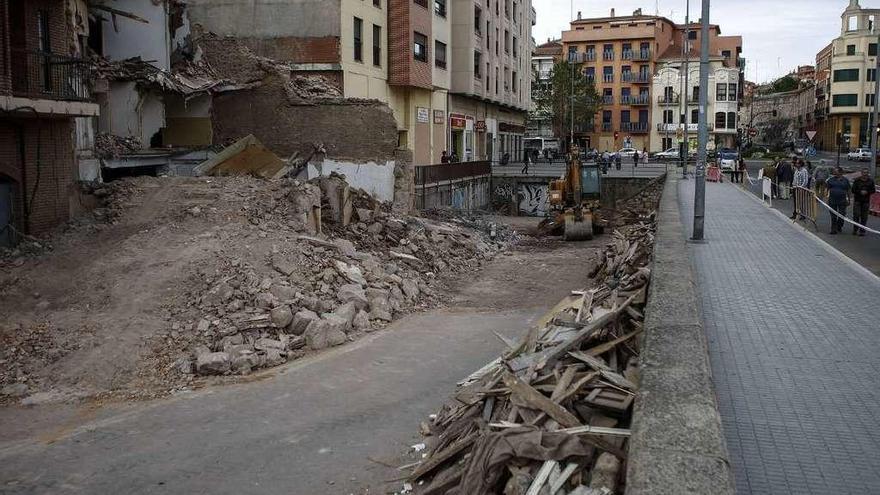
(778, 35)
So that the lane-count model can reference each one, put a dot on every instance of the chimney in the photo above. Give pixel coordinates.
(579, 15)
(612, 12)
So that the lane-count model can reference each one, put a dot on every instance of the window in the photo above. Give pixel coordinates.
(513, 81)
(572, 54)
(377, 3)
(869, 100)
(478, 57)
(872, 49)
(358, 39)
(625, 116)
(845, 75)
(872, 74)
(496, 71)
(506, 79)
(497, 35)
(606, 117)
(608, 74)
(668, 117)
(44, 47)
(721, 92)
(692, 35)
(377, 45)
(668, 93)
(487, 77)
(440, 9)
(731, 92)
(590, 73)
(852, 23)
(514, 48)
(696, 94)
(440, 58)
(731, 120)
(506, 41)
(420, 47)
(478, 21)
(488, 30)
(695, 116)
(850, 49)
(845, 100)
(423, 3)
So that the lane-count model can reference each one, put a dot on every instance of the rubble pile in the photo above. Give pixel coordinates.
(25, 349)
(552, 414)
(640, 206)
(316, 291)
(113, 146)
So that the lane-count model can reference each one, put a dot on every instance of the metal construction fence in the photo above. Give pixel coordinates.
(461, 186)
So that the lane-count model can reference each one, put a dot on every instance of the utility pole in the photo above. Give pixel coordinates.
(684, 93)
(874, 123)
(700, 172)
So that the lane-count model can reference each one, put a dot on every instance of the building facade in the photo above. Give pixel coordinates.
(544, 57)
(622, 55)
(491, 77)
(44, 87)
(845, 74)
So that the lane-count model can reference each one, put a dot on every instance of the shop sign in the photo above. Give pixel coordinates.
(511, 128)
(457, 121)
(439, 116)
(480, 126)
(422, 115)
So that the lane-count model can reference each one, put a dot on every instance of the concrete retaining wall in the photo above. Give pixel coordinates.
(677, 445)
(471, 193)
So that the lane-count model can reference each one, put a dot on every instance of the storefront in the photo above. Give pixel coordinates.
(479, 130)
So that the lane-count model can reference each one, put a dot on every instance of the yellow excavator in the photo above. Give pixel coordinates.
(574, 201)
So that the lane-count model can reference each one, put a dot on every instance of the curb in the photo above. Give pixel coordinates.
(677, 445)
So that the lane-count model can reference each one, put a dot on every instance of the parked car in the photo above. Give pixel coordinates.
(728, 160)
(628, 153)
(670, 154)
(859, 155)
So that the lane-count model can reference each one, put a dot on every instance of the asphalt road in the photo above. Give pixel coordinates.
(326, 424)
(557, 169)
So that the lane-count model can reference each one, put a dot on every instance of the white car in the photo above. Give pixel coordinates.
(859, 155)
(670, 154)
(728, 160)
(629, 152)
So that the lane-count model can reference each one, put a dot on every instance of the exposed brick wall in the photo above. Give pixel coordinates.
(5, 78)
(356, 131)
(23, 18)
(46, 178)
(323, 50)
(405, 17)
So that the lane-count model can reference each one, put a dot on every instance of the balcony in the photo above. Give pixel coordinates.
(642, 55)
(589, 77)
(583, 128)
(627, 55)
(634, 127)
(607, 55)
(668, 99)
(609, 78)
(606, 126)
(589, 56)
(48, 76)
(636, 77)
(640, 100)
(691, 128)
(607, 100)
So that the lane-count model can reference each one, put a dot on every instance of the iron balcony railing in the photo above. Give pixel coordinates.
(634, 127)
(606, 126)
(608, 55)
(609, 78)
(49, 76)
(636, 77)
(668, 99)
(627, 55)
(585, 128)
(607, 100)
(642, 55)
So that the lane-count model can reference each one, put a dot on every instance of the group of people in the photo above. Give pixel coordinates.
(788, 175)
(841, 193)
(449, 157)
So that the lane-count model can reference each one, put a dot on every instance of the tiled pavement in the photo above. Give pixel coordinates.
(794, 342)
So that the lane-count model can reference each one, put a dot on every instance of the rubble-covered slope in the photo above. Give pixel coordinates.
(186, 277)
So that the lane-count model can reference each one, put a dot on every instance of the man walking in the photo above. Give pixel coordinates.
(525, 169)
(838, 199)
(863, 187)
(801, 180)
(784, 175)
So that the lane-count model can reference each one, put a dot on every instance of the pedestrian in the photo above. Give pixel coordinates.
(453, 158)
(838, 199)
(635, 158)
(784, 176)
(863, 187)
(617, 160)
(444, 158)
(525, 169)
(820, 175)
(801, 181)
(770, 173)
(742, 170)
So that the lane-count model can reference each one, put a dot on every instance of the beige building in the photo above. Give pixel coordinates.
(850, 92)
(490, 93)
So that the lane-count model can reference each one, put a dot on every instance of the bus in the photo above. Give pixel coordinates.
(541, 146)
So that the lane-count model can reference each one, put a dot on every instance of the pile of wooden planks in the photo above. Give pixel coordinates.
(551, 415)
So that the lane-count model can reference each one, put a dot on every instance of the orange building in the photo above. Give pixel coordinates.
(621, 54)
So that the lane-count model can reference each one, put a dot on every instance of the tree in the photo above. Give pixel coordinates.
(783, 85)
(567, 88)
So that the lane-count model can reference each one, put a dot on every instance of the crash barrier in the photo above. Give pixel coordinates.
(806, 204)
(713, 174)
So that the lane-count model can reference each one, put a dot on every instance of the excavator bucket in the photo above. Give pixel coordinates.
(578, 230)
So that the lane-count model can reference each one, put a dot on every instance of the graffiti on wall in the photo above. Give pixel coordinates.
(503, 191)
(533, 200)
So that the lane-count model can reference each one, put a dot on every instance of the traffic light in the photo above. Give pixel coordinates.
(616, 135)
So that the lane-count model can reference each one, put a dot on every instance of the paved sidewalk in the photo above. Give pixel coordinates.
(793, 334)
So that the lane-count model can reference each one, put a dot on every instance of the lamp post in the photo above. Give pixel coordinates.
(700, 172)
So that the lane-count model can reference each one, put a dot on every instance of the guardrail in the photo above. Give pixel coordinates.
(463, 186)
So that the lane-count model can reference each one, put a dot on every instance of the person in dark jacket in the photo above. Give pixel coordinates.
(862, 189)
(784, 176)
(635, 158)
(838, 198)
(444, 158)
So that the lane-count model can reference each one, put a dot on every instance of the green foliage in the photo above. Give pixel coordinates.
(783, 85)
(554, 98)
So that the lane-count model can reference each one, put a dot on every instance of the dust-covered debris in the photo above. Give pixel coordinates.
(178, 278)
(113, 146)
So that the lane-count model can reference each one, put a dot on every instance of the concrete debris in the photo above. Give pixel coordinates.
(186, 78)
(247, 156)
(552, 413)
(110, 146)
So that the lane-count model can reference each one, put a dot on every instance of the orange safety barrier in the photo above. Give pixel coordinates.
(713, 174)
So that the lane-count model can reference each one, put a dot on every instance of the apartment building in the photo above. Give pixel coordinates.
(544, 57)
(490, 94)
(676, 107)
(849, 80)
(622, 54)
(394, 51)
(44, 87)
